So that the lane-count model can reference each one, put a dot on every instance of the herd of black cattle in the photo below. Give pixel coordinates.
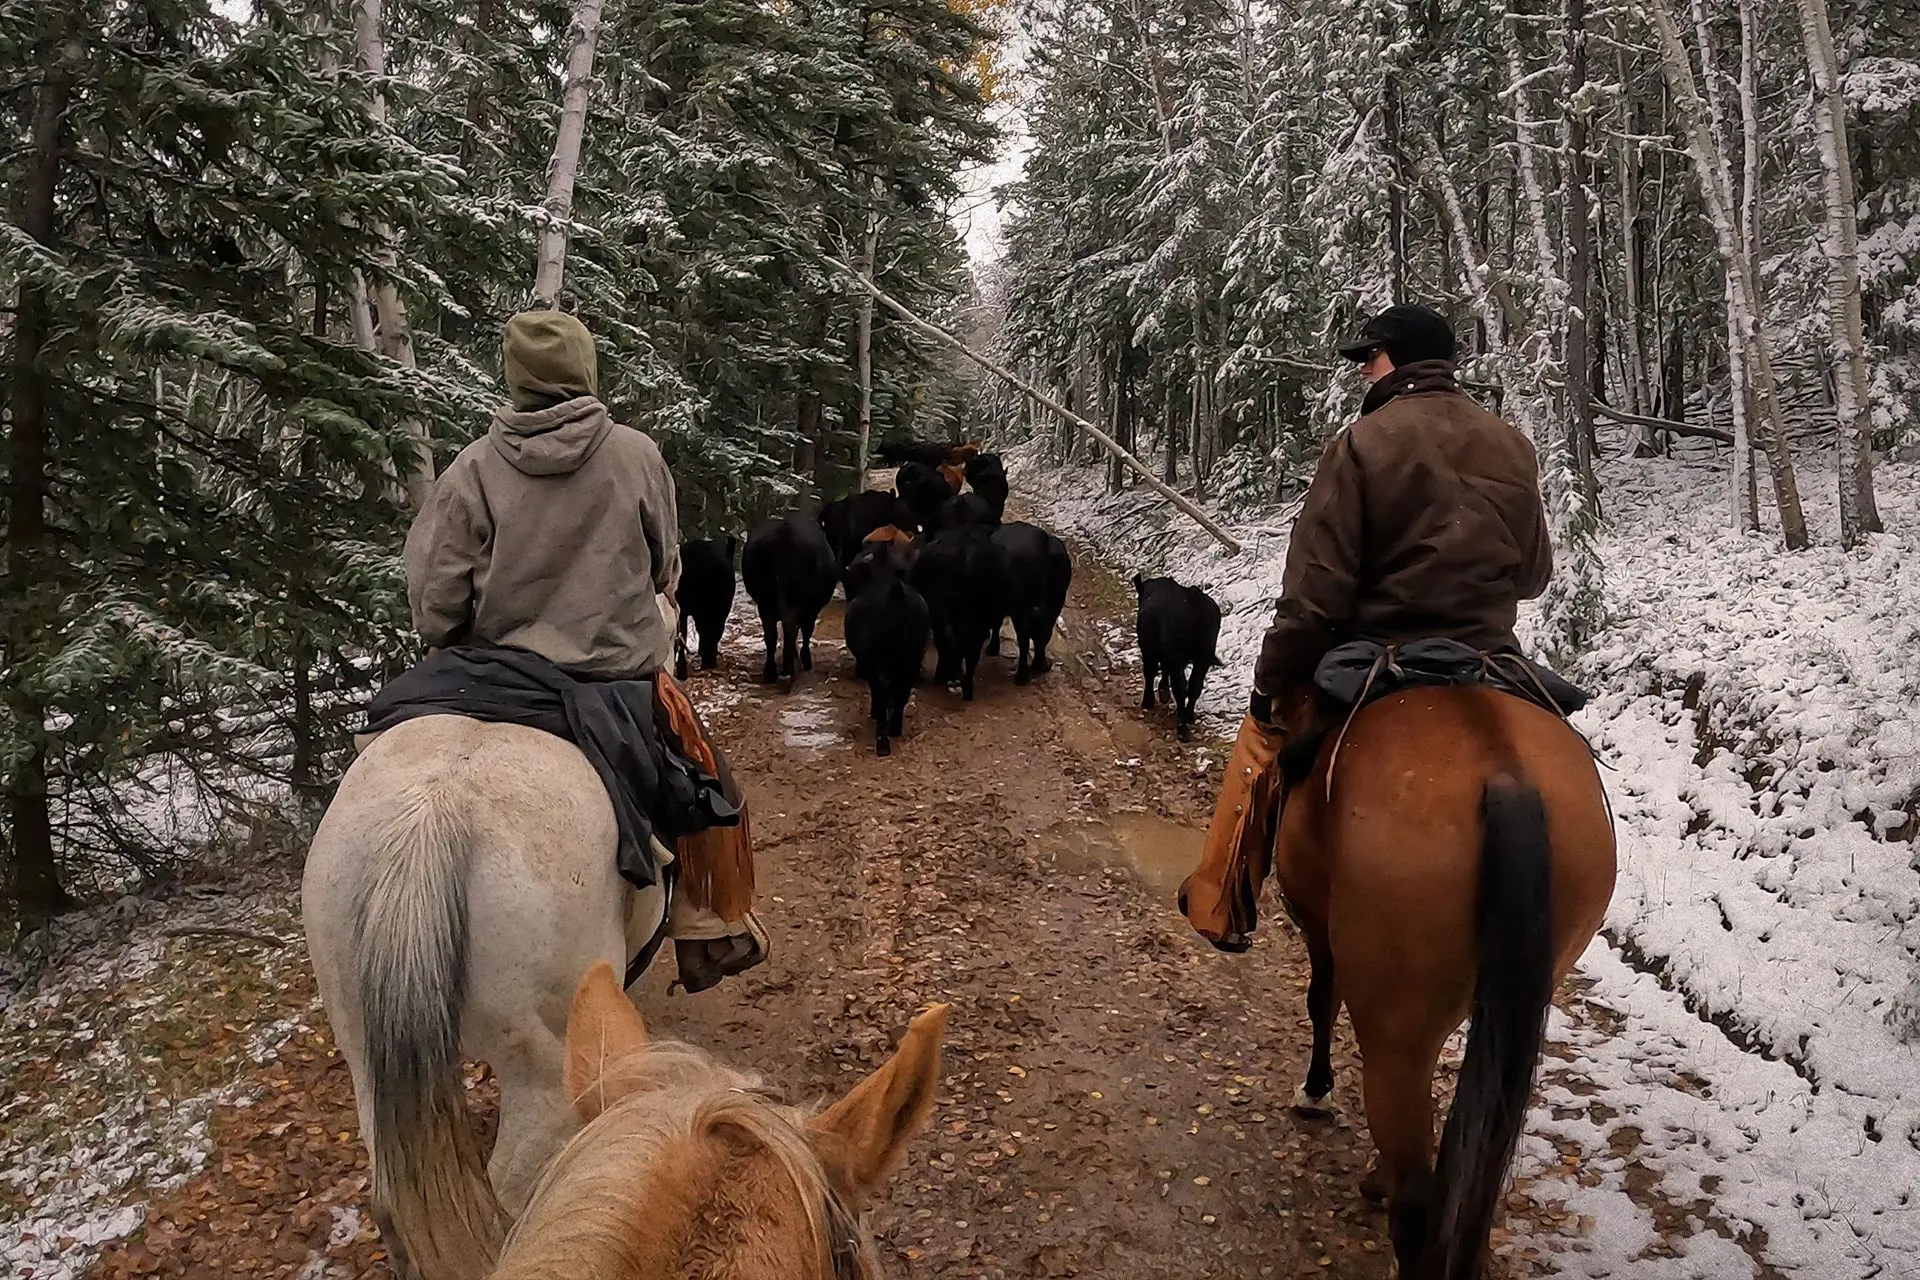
(931, 560)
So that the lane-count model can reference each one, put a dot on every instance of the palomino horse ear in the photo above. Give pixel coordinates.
(603, 1029)
(863, 1137)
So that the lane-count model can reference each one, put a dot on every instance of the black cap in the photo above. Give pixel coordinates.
(1406, 333)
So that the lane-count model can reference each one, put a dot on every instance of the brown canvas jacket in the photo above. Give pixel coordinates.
(1424, 520)
(551, 533)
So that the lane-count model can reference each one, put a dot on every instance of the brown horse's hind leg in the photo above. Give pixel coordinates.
(1399, 1091)
(1315, 1097)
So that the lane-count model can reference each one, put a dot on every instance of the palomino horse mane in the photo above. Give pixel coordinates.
(591, 1213)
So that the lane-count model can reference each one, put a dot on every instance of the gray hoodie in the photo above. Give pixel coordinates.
(553, 533)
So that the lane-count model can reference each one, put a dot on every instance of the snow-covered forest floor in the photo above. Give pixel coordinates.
(1733, 1072)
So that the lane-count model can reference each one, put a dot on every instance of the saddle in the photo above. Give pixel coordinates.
(1356, 673)
(1221, 899)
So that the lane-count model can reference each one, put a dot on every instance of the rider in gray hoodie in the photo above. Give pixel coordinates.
(557, 532)
(554, 531)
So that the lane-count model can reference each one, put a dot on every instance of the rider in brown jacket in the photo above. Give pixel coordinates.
(1424, 519)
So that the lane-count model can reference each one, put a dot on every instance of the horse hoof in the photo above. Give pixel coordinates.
(882, 747)
(1023, 677)
(1042, 665)
(1373, 1186)
(769, 676)
(1305, 1104)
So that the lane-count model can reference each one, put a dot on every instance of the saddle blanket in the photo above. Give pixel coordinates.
(659, 787)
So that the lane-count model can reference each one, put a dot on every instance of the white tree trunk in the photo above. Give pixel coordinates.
(1748, 352)
(395, 338)
(1859, 515)
(360, 310)
(863, 347)
(584, 34)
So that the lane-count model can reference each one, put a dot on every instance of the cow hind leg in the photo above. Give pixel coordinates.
(790, 645)
(882, 715)
(1182, 711)
(1043, 636)
(770, 633)
(1023, 637)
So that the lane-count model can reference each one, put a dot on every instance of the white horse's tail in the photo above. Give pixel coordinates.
(430, 1183)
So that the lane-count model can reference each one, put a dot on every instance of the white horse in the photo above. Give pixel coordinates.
(461, 884)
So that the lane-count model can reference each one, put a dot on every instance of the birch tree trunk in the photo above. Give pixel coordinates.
(583, 34)
(395, 339)
(863, 350)
(1853, 453)
(1748, 357)
(1773, 439)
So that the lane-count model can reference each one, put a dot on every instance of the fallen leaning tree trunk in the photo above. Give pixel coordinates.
(1041, 398)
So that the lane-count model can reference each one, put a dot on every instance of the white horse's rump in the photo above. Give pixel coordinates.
(462, 882)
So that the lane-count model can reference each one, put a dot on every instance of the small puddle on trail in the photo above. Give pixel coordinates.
(1160, 853)
(807, 723)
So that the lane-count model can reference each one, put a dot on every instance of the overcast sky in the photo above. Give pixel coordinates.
(979, 214)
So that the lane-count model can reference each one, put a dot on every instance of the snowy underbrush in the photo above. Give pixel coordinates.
(123, 1026)
(1759, 712)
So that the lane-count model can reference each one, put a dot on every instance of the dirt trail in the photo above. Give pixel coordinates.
(1115, 1099)
(1115, 1095)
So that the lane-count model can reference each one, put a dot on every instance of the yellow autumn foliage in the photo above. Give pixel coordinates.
(986, 62)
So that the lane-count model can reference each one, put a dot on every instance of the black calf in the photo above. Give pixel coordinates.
(969, 511)
(962, 574)
(849, 520)
(790, 570)
(925, 491)
(988, 478)
(887, 627)
(705, 598)
(1039, 571)
(1178, 630)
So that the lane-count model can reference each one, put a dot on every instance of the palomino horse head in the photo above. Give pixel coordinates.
(687, 1170)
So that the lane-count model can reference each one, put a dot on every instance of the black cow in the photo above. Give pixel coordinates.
(926, 452)
(962, 574)
(887, 627)
(925, 491)
(875, 555)
(705, 598)
(1039, 571)
(1179, 631)
(849, 520)
(790, 571)
(969, 511)
(988, 478)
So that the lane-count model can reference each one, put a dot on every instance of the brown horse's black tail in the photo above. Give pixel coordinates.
(1513, 983)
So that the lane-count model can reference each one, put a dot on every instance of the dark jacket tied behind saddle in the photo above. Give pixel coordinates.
(1424, 520)
(657, 789)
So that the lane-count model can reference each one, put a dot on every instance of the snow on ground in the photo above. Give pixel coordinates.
(1736, 1075)
(113, 1055)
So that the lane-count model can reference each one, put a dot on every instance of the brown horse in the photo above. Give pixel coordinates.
(1451, 855)
(686, 1170)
